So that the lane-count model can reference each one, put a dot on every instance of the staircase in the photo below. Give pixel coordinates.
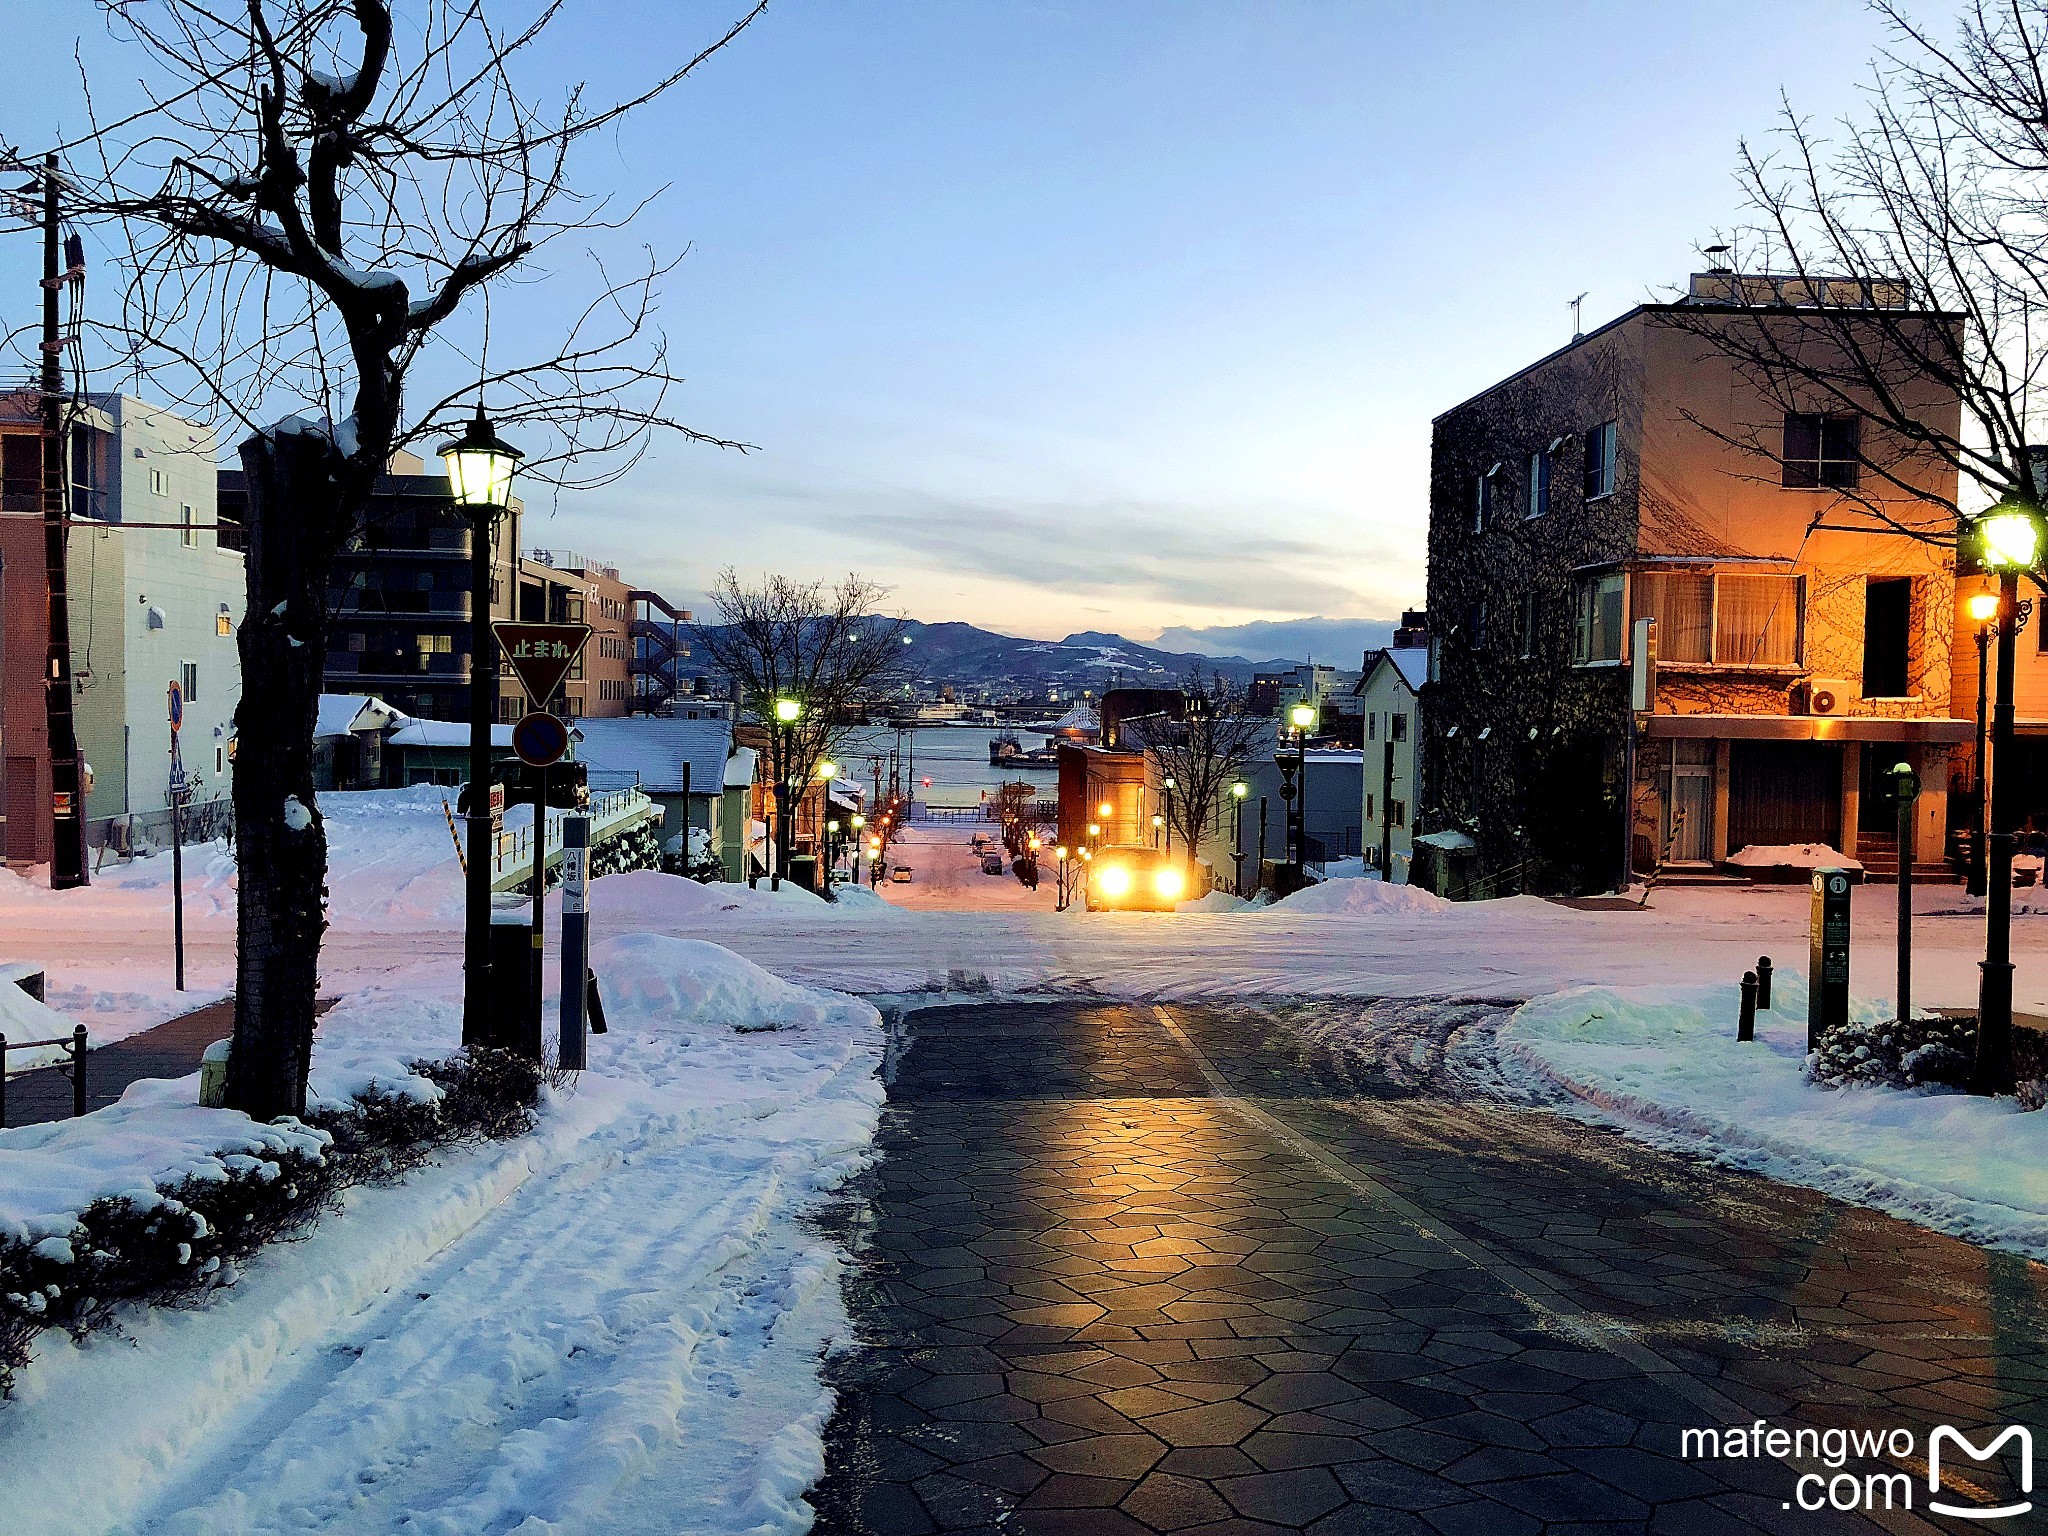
(1878, 852)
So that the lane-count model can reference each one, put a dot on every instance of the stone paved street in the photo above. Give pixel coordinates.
(1363, 1289)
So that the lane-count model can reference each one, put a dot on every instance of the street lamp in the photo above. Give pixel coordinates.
(480, 469)
(2006, 540)
(1170, 787)
(1301, 717)
(1238, 790)
(787, 712)
(1983, 608)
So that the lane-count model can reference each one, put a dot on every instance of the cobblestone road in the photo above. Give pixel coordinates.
(1243, 1270)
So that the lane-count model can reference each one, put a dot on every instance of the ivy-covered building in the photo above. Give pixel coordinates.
(1646, 483)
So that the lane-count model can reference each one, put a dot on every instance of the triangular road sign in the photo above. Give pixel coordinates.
(540, 654)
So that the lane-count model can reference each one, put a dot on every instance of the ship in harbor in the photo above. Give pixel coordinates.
(1008, 751)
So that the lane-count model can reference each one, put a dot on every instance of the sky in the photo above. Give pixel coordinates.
(1058, 315)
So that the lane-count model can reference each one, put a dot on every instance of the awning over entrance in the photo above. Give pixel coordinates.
(1807, 728)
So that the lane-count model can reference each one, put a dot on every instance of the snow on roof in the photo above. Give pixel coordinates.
(1450, 842)
(1410, 661)
(443, 733)
(656, 750)
(739, 768)
(341, 713)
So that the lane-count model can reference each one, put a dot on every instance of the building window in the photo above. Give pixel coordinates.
(1482, 502)
(1397, 813)
(159, 483)
(1370, 814)
(430, 646)
(1596, 627)
(188, 680)
(1539, 484)
(1727, 620)
(1887, 636)
(1397, 727)
(1525, 624)
(1600, 444)
(1372, 725)
(188, 533)
(220, 761)
(1822, 451)
(356, 641)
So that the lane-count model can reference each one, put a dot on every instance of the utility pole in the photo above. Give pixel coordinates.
(67, 781)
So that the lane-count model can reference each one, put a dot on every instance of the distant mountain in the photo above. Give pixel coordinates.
(962, 653)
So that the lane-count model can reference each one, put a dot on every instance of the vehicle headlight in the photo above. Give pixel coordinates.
(1115, 879)
(1169, 883)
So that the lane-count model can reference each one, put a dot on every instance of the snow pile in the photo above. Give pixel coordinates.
(23, 1018)
(1808, 856)
(1665, 1065)
(1215, 901)
(614, 1319)
(1361, 897)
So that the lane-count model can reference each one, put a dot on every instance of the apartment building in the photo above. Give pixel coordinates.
(1635, 498)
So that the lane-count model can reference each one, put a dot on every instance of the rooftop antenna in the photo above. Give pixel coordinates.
(1577, 329)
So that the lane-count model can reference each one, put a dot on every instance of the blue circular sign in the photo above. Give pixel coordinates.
(540, 739)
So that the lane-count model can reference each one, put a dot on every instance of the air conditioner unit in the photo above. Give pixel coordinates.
(1831, 695)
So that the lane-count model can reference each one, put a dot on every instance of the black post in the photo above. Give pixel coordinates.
(1237, 845)
(1827, 1004)
(1169, 820)
(67, 779)
(1977, 852)
(1908, 786)
(1763, 982)
(1261, 880)
(1745, 1024)
(177, 875)
(3, 1082)
(1300, 809)
(78, 1072)
(479, 827)
(1991, 1068)
(575, 945)
(540, 891)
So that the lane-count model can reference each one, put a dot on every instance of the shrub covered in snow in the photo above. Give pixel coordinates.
(170, 1242)
(1911, 1053)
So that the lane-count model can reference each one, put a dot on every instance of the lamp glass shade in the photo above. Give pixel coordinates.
(787, 710)
(1302, 716)
(2009, 537)
(828, 769)
(1240, 789)
(480, 465)
(1983, 606)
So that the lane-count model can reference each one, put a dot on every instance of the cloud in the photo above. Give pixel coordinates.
(1192, 556)
(1338, 641)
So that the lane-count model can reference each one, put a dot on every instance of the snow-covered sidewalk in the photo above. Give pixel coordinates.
(602, 1325)
(1664, 1065)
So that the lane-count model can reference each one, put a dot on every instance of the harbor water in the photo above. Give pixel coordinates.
(953, 758)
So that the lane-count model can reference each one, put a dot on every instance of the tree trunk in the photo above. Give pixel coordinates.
(296, 522)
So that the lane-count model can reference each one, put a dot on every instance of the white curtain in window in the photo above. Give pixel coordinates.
(1683, 606)
(1758, 621)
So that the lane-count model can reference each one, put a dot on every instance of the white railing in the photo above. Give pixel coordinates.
(609, 812)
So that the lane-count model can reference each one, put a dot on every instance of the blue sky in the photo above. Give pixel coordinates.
(1123, 315)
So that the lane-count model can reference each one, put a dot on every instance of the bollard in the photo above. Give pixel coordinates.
(3, 1082)
(594, 1005)
(78, 1072)
(1763, 982)
(1745, 1028)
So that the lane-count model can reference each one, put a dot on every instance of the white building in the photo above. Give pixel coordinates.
(1387, 697)
(156, 599)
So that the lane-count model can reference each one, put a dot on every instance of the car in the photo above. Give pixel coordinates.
(1131, 879)
(900, 875)
(991, 863)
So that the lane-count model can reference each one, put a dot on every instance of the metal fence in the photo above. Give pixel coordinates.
(514, 852)
(74, 1069)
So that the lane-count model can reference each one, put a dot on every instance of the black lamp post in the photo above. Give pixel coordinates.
(786, 712)
(1983, 608)
(1301, 717)
(480, 468)
(2006, 540)
(1238, 791)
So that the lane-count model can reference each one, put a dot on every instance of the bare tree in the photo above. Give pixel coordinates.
(1210, 746)
(827, 651)
(308, 192)
(1903, 264)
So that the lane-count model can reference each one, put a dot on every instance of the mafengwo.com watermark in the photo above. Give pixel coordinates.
(1872, 1469)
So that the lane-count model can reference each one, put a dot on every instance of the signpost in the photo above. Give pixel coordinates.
(1906, 789)
(575, 938)
(541, 655)
(178, 793)
(1827, 1004)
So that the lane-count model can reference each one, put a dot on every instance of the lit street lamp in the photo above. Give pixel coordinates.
(2008, 539)
(859, 822)
(1170, 787)
(787, 712)
(1302, 716)
(1983, 608)
(480, 468)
